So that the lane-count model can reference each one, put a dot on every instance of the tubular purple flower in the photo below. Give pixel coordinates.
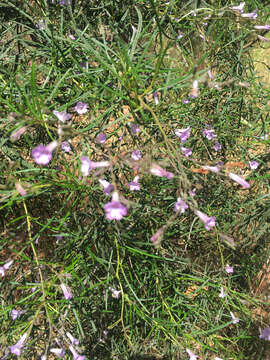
(263, 38)
(62, 116)
(115, 293)
(5, 267)
(87, 165)
(81, 108)
(136, 155)
(101, 138)
(235, 320)
(66, 146)
(67, 293)
(108, 188)
(222, 294)
(20, 189)
(18, 133)
(42, 155)
(217, 146)
(229, 269)
(159, 171)
(134, 185)
(209, 222)
(191, 354)
(180, 206)
(262, 27)
(252, 15)
(17, 348)
(15, 314)
(59, 352)
(76, 356)
(240, 7)
(209, 134)
(134, 128)
(194, 90)
(185, 101)
(155, 95)
(183, 134)
(157, 236)
(239, 180)
(253, 164)
(114, 209)
(72, 339)
(215, 169)
(187, 151)
(265, 333)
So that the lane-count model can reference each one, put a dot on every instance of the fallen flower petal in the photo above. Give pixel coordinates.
(17, 348)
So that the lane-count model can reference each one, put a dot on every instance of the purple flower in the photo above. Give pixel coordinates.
(72, 339)
(240, 7)
(156, 97)
(252, 15)
(65, 2)
(66, 146)
(59, 352)
(209, 133)
(15, 314)
(222, 294)
(253, 164)
(76, 356)
(180, 35)
(211, 76)
(156, 238)
(187, 151)
(235, 320)
(265, 333)
(180, 206)
(5, 267)
(185, 101)
(239, 180)
(17, 348)
(208, 221)
(81, 108)
(108, 188)
(101, 138)
(217, 146)
(134, 128)
(214, 169)
(158, 171)
(134, 185)
(62, 116)
(262, 27)
(87, 165)
(194, 90)
(72, 37)
(17, 133)
(114, 209)
(20, 189)
(229, 269)
(192, 192)
(263, 38)
(41, 25)
(191, 354)
(67, 294)
(42, 154)
(183, 134)
(115, 293)
(136, 155)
